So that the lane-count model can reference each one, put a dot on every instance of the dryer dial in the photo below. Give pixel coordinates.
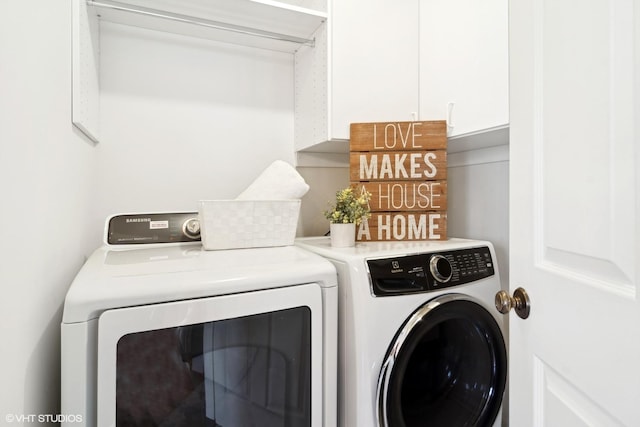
(440, 268)
(191, 228)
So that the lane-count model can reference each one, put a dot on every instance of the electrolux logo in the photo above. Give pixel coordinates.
(130, 220)
(395, 267)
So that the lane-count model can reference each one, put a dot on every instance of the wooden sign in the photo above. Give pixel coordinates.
(404, 167)
(393, 166)
(403, 226)
(395, 136)
(399, 196)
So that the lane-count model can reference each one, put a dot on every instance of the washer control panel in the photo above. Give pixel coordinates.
(429, 271)
(153, 228)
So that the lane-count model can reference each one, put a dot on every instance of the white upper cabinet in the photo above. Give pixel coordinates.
(464, 67)
(267, 24)
(363, 68)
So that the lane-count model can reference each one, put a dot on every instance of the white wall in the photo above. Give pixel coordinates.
(47, 176)
(185, 119)
(478, 200)
(323, 184)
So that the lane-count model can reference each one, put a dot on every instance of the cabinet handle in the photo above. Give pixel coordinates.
(450, 106)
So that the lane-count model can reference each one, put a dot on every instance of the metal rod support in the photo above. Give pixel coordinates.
(199, 21)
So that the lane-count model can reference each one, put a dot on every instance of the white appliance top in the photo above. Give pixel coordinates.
(115, 278)
(364, 250)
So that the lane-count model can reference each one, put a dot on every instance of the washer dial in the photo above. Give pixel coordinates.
(440, 268)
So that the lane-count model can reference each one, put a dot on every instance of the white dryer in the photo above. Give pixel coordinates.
(420, 340)
(170, 334)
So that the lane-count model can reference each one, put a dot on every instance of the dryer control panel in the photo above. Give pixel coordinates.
(429, 271)
(153, 228)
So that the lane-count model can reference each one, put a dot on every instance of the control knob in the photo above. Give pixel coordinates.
(191, 228)
(440, 268)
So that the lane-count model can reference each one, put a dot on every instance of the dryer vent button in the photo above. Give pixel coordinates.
(440, 268)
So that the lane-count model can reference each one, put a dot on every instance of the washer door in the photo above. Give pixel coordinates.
(446, 367)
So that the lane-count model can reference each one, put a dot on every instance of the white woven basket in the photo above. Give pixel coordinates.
(235, 224)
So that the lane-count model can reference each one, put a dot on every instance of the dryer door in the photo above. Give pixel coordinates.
(246, 359)
(447, 367)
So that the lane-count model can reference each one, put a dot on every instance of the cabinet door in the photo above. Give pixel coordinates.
(373, 63)
(464, 63)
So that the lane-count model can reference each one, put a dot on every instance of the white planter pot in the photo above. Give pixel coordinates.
(343, 235)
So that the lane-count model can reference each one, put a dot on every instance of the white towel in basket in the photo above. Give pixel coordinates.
(279, 181)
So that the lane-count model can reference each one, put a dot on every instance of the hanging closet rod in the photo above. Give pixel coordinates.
(199, 21)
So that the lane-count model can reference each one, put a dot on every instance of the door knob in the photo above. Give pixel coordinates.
(519, 301)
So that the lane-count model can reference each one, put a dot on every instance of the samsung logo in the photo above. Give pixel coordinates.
(138, 220)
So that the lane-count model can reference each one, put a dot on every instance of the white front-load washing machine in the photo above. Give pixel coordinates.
(169, 334)
(420, 340)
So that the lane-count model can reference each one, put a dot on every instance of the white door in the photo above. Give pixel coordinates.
(575, 212)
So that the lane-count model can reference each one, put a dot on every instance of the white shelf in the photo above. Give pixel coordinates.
(485, 138)
(265, 24)
(334, 153)
(257, 23)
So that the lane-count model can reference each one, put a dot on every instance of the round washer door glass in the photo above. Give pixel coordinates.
(446, 367)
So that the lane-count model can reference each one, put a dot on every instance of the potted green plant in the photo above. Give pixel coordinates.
(350, 209)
